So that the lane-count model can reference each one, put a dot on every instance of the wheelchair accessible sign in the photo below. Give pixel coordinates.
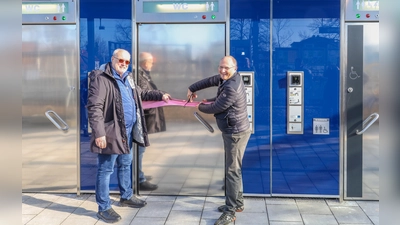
(321, 126)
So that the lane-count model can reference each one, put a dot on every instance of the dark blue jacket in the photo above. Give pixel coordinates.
(229, 106)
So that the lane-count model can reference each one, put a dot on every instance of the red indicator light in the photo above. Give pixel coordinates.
(204, 17)
(54, 17)
(367, 15)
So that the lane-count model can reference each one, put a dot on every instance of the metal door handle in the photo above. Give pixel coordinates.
(51, 112)
(370, 120)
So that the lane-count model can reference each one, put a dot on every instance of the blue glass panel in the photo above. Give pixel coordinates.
(249, 44)
(104, 26)
(301, 164)
(307, 163)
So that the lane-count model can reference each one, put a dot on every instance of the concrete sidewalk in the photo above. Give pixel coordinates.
(70, 209)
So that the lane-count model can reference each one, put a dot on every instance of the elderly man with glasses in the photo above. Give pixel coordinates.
(117, 120)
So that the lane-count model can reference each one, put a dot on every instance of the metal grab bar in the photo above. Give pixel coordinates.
(376, 115)
(65, 128)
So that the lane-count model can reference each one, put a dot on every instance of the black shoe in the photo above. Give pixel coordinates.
(148, 178)
(147, 186)
(237, 208)
(225, 218)
(109, 216)
(133, 202)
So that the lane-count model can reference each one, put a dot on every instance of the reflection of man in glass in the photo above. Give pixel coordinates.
(155, 119)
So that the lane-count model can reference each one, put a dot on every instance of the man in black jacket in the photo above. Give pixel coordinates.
(116, 117)
(155, 119)
(230, 110)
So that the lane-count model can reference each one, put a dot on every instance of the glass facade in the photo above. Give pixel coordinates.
(292, 35)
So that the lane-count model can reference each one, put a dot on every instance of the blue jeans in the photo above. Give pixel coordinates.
(234, 145)
(142, 178)
(105, 167)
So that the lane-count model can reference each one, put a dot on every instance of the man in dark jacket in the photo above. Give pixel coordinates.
(116, 118)
(155, 119)
(230, 110)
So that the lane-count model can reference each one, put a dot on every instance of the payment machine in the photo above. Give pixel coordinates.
(295, 102)
(248, 77)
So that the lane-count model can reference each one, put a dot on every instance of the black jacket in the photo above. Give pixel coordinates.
(106, 115)
(155, 119)
(229, 106)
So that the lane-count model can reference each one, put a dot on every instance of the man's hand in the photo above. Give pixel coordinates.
(204, 100)
(191, 95)
(166, 97)
(101, 142)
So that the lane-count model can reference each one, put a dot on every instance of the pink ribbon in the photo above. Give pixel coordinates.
(171, 102)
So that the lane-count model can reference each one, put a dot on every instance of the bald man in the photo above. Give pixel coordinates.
(230, 110)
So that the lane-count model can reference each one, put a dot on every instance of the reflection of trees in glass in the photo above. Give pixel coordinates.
(83, 35)
(91, 50)
(252, 37)
(316, 24)
(100, 50)
(240, 29)
(263, 37)
(282, 33)
(244, 29)
(123, 31)
(83, 49)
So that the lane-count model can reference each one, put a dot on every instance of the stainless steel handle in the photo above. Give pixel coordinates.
(51, 112)
(370, 120)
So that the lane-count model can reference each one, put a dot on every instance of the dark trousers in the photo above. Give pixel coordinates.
(234, 145)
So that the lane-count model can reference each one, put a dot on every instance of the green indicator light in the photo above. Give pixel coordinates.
(63, 18)
(357, 15)
(213, 17)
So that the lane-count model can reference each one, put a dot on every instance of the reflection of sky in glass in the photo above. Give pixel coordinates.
(371, 42)
(301, 29)
(180, 34)
(373, 34)
(109, 28)
(108, 34)
(298, 26)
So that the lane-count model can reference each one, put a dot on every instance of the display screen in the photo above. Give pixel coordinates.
(179, 7)
(295, 80)
(44, 7)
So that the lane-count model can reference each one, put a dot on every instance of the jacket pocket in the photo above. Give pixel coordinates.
(223, 124)
(111, 133)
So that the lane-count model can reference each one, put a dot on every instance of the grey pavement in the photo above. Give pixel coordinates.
(72, 209)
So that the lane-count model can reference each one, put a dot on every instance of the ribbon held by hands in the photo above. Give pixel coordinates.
(171, 102)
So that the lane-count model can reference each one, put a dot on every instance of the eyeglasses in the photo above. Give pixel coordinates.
(127, 62)
(225, 68)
